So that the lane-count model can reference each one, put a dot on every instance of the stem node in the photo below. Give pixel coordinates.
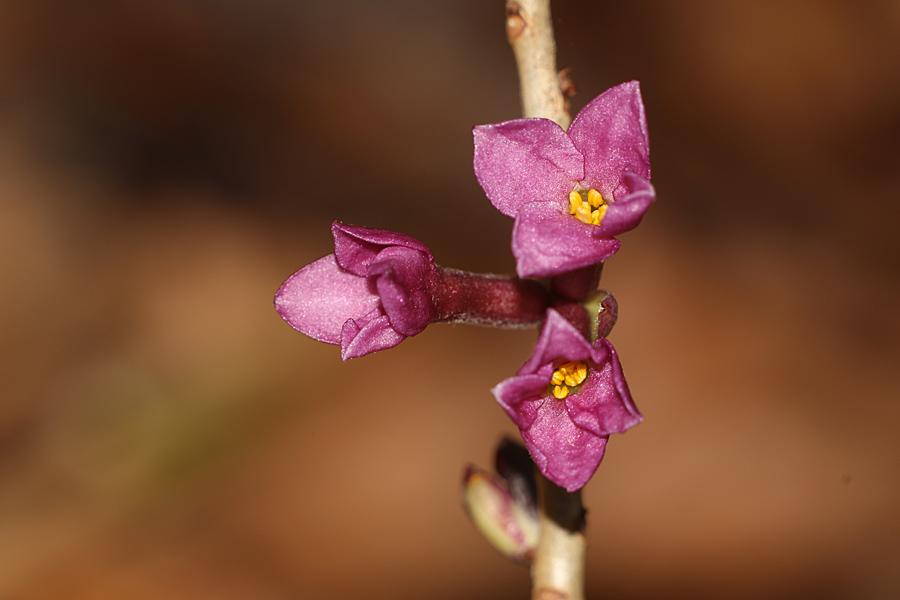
(515, 21)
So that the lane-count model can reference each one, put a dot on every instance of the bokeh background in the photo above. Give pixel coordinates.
(165, 165)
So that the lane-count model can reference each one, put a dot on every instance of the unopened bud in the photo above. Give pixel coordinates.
(508, 526)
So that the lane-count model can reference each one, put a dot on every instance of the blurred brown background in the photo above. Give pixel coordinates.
(165, 165)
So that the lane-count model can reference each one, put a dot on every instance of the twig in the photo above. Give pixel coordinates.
(558, 569)
(530, 33)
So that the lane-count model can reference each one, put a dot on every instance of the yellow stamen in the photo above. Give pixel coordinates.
(581, 203)
(581, 372)
(583, 212)
(594, 198)
(574, 201)
(568, 375)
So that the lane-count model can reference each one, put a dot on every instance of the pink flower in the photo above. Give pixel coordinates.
(380, 287)
(368, 296)
(567, 400)
(569, 191)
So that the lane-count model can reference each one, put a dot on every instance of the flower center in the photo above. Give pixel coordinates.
(569, 375)
(587, 206)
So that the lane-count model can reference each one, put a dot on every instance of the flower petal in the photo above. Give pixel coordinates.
(526, 160)
(400, 279)
(565, 453)
(603, 405)
(636, 194)
(558, 343)
(356, 247)
(547, 241)
(368, 334)
(520, 395)
(320, 297)
(611, 133)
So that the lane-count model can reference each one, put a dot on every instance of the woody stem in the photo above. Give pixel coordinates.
(558, 569)
(530, 33)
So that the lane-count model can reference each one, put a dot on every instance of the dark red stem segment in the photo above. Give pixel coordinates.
(462, 297)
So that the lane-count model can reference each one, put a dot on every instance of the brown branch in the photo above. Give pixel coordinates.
(530, 33)
(558, 569)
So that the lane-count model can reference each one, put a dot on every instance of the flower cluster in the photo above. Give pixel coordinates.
(570, 192)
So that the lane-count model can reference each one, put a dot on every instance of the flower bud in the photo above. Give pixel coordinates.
(508, 526)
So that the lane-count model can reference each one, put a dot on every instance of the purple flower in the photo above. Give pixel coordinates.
(566, 400)
(369, 295)
(569, 191)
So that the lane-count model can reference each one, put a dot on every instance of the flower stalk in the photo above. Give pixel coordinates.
(490, 300)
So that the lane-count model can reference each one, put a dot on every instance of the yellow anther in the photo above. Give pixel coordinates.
(594, 198)
(580, 372)
(583, 212)
(581, 205)
(570, 374)
(575, 200)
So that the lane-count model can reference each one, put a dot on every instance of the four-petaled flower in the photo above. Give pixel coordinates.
(567, 400)
(369, 295)
(569, 191)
